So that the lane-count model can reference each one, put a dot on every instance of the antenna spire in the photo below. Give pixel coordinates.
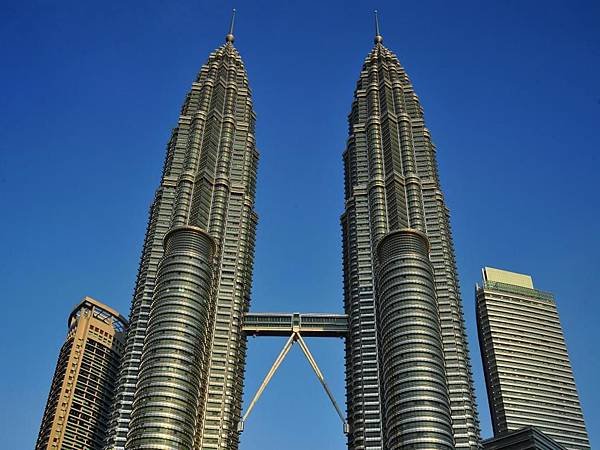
(378, 37)
(229, 37)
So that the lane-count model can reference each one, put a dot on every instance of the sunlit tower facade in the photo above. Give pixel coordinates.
(77, 412)
(408, 373)
(182, 375)
(527, 370)
(407, 364)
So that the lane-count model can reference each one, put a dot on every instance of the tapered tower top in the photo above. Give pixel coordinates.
(378, 36)
(229, 37)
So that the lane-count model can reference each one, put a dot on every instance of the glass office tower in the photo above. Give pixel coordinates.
(408, 374)
(181, 380)
(407, 365)
(527, 369)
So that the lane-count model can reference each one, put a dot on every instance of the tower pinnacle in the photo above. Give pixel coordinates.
(229, 37)
(378, 36)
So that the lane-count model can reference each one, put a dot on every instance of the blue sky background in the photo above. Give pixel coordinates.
(91, 90)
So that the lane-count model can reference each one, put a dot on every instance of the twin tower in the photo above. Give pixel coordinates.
(408, 376)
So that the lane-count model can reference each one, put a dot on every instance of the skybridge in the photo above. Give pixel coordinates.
(295, 326)
(283, 324)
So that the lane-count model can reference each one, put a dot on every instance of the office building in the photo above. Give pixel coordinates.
(527, 369)
(78, 407)
(182, 375)
(408, 373)
(409, 382)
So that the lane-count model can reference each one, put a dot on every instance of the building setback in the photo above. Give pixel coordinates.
(408, 373)
(78, 407)
(526, 366)
(182, 375)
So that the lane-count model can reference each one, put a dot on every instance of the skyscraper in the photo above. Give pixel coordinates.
(408, 374)
(185, 349)
(526, 366)
(78, 407)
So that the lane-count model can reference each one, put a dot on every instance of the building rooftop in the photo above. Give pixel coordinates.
(103, 312)
(504, 276)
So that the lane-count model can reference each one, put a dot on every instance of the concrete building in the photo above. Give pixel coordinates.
(527, 369)
(78, 408)
(408, 373)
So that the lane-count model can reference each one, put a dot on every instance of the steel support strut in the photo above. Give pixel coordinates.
(295, 336)
(284, 351)
(321, 378)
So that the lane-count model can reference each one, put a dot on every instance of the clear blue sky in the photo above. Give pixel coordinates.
(91, 90)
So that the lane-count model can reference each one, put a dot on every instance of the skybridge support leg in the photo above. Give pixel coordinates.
(319, 374)
(295, 336)
(284, 351)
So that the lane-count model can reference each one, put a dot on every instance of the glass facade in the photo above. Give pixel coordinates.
(207, 193)
(526, 365)
(391, 184)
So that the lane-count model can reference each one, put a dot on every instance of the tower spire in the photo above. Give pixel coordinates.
(378, 36)
(229, 37)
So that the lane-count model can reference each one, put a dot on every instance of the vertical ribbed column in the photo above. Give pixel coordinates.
(183, 199)
(165, 409)
(414, 197)
(415, 404)
(222, 178)
(377, 206)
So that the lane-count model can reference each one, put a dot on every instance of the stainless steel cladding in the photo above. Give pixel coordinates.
(172, 370)
(391, 183)
(208, 184)
(414, 392)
